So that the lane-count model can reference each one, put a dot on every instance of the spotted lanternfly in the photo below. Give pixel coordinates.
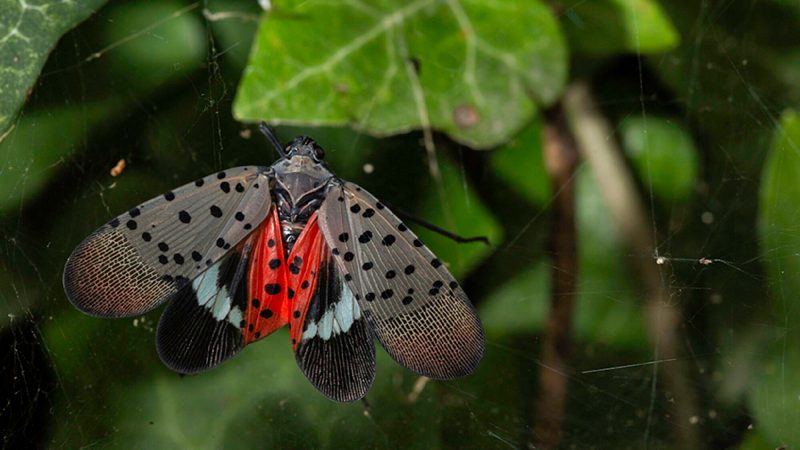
(243, 252)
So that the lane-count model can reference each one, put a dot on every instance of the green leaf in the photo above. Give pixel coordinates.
(28, 32)
(519, 306)
(618, 26)
(520, 162)
(456, 207)
(607, 305)
(39, 144)
(389, 66)
(756, 440)
(663, 154)
(158, 42)
(779, 215)
(775, 395)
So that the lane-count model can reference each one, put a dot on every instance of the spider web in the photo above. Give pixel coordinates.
(71, 380)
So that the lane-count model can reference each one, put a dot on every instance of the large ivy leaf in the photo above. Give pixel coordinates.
(618, 26)
(462, 67)
(28, 31)
(776, 392)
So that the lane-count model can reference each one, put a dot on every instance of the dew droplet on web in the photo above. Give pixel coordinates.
(368, 168)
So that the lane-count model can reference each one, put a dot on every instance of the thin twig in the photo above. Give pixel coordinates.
(594, 139)
(561, 160)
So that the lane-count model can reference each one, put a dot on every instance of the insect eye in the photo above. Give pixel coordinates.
(319, 152)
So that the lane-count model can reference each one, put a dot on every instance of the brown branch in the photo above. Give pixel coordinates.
(561, 159)
(593, 135)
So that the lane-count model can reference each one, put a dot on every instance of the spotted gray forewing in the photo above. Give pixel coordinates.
(140, 258)
(416, 309)
(336, 352)
(201, 327)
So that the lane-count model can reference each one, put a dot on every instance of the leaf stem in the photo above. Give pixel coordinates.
(561, 160)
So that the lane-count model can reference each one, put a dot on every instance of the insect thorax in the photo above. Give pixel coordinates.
(299, 189)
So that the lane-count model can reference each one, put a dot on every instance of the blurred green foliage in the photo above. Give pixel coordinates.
(28, 32)
(663, 155)
(701, 96)
(775, 391)
(638, 26)
(145, 60)
(519, 162)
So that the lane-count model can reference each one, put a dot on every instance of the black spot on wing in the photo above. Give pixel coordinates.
(422, 324)
(326, 293)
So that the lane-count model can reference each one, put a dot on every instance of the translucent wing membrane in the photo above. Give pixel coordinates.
(416, 309)
(333, 344)
(140, 258)
(202, 325)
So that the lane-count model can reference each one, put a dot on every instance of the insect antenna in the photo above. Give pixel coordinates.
(435, 229)
(267, 131)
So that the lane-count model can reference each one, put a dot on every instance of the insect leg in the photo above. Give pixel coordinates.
(448, 234)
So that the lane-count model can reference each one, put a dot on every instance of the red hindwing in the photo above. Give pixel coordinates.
(267, 283)
(280, 290)
(303, 273)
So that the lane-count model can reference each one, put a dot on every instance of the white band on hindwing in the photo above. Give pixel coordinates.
(337, 319)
